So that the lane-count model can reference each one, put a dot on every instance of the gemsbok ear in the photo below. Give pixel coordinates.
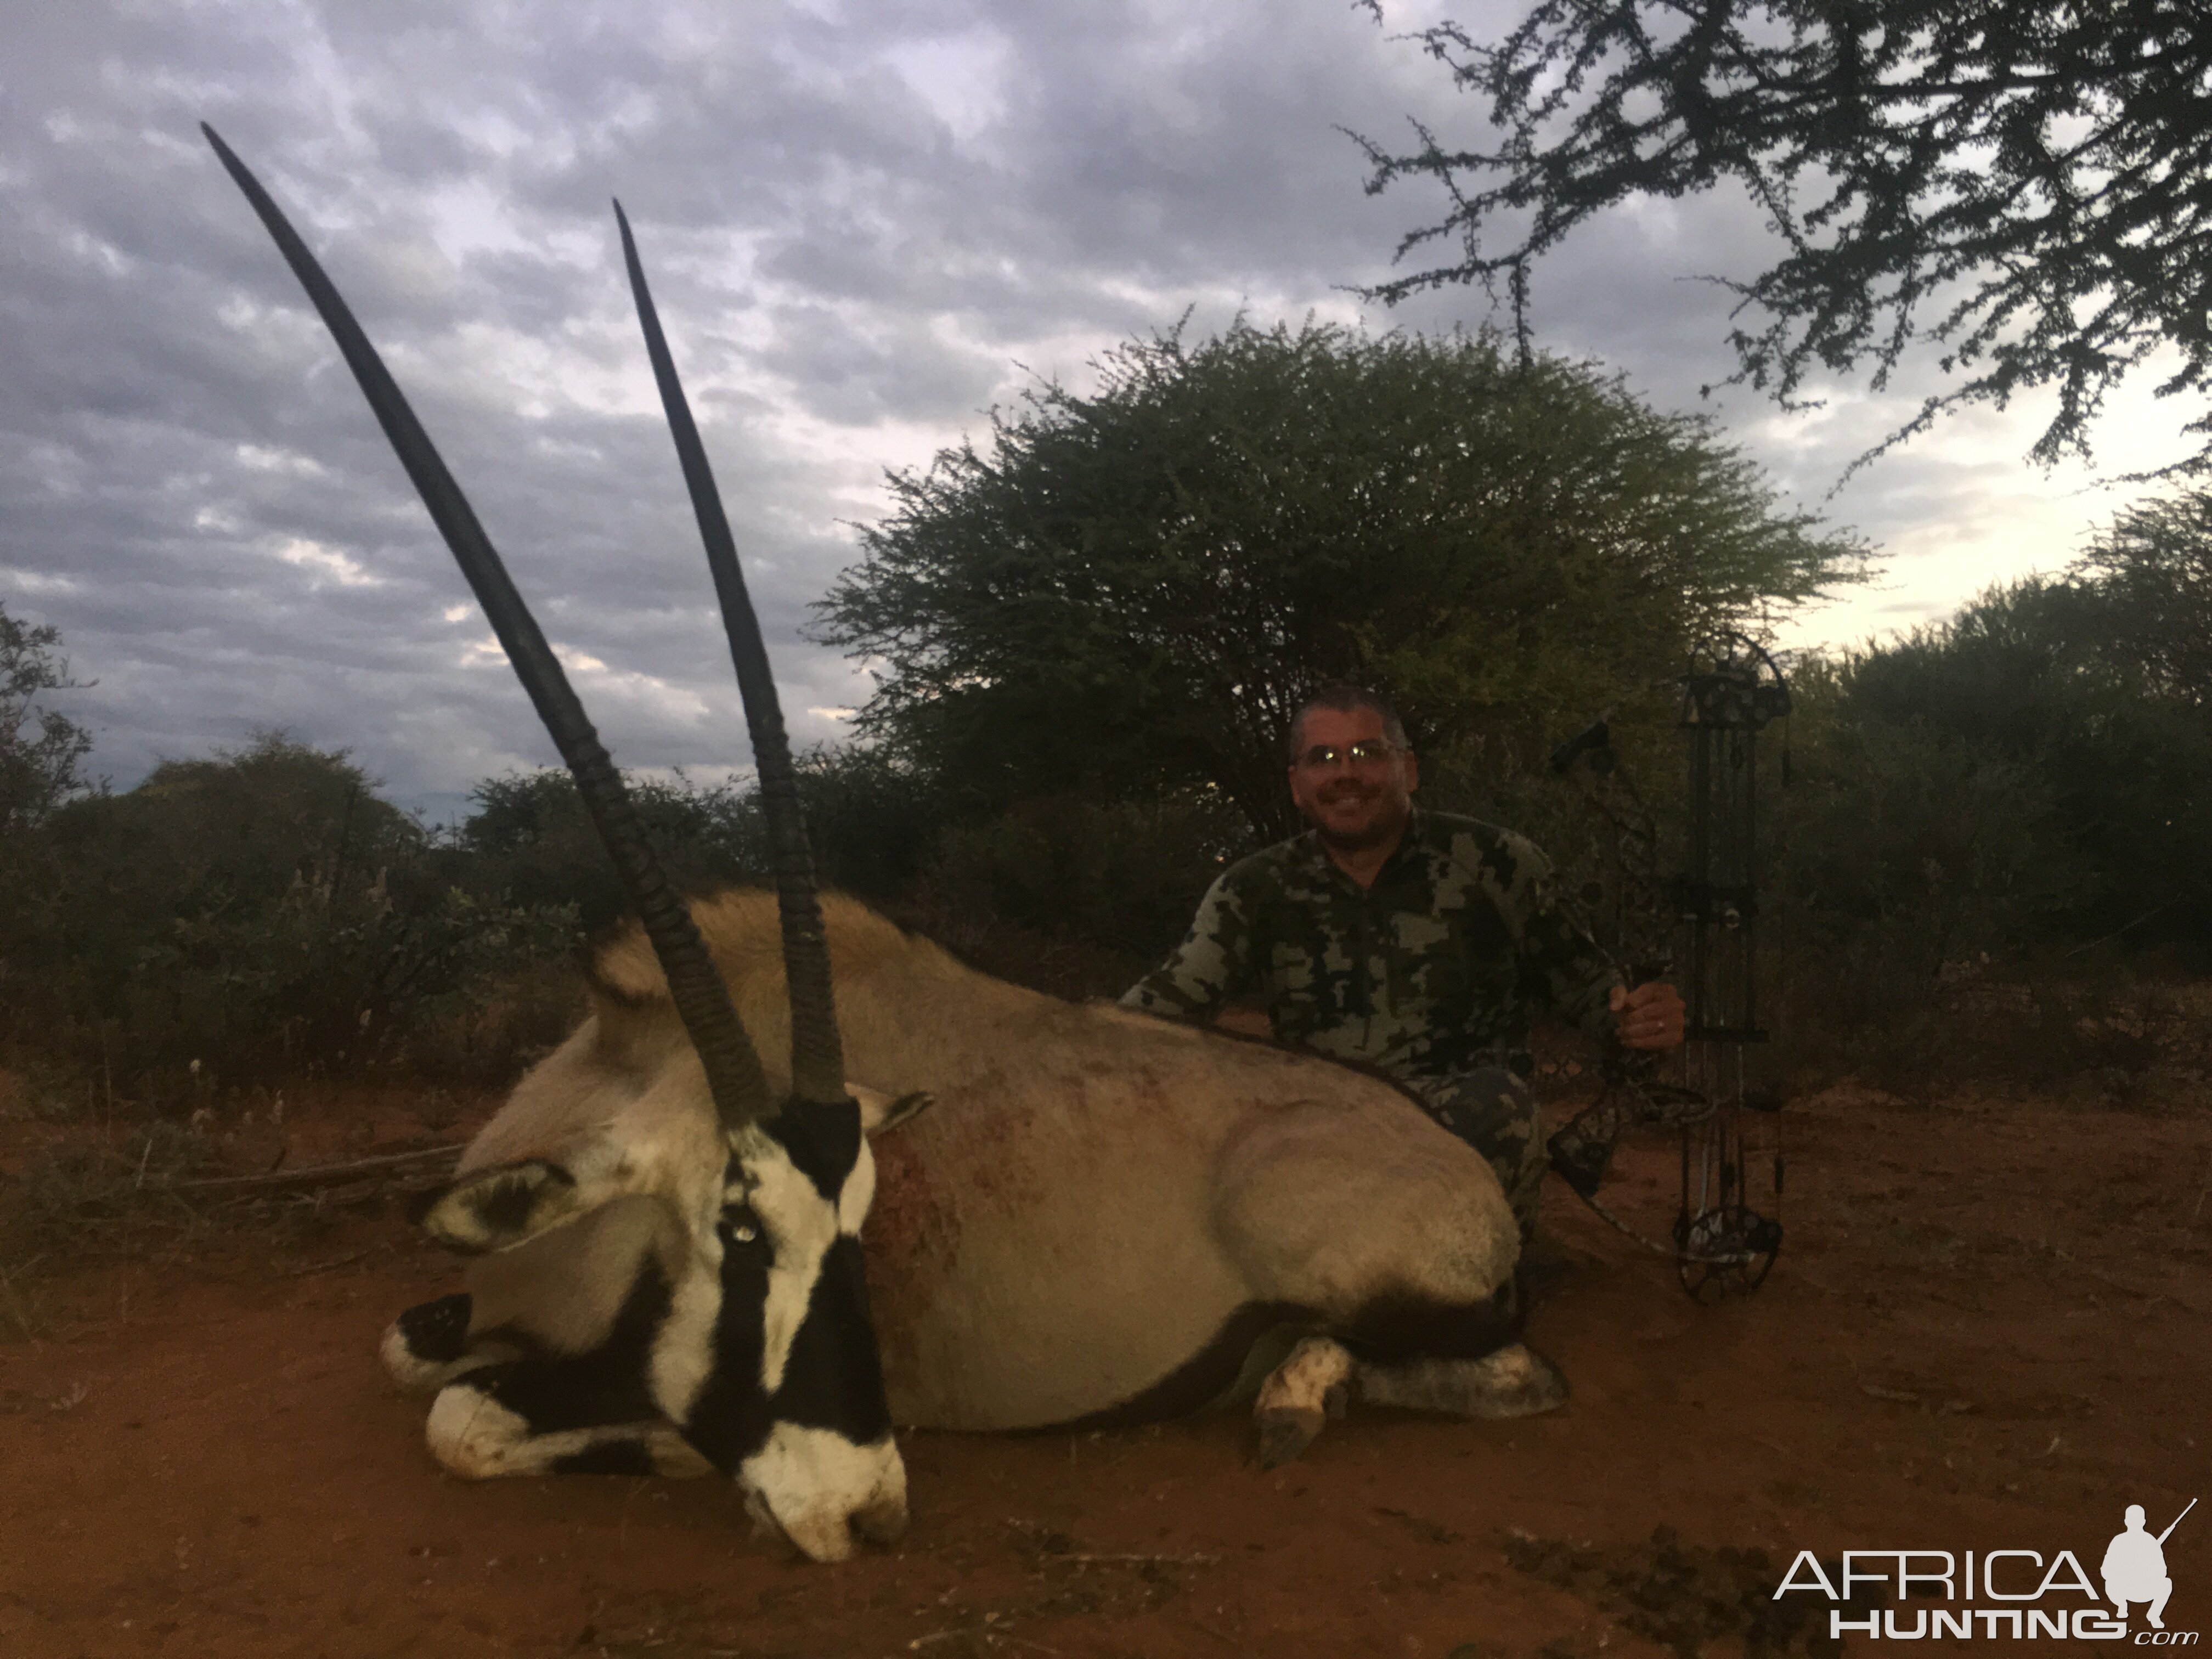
(497, 1209)
(880, 1111)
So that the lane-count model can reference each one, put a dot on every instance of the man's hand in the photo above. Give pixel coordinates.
(1649, 1017)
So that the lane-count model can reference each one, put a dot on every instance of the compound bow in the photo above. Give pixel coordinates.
(1733, 689)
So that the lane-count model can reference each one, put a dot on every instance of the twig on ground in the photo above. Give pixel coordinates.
(2117, 932)
(320, 1176)
(325, 1267)
(1208, 1629)
(1085, 1558)
(16, 1308)
(982, 1634)
(2146, 1296)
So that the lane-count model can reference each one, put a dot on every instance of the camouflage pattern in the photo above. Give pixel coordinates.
(1491, 1110)
(1431, 975)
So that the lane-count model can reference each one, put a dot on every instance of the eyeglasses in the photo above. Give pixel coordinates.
(1369, 751)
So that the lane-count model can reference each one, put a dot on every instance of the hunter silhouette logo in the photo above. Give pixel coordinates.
(2135, 1566)
(2011, 1594)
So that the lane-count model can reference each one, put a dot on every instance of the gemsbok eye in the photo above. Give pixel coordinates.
(739, 1229)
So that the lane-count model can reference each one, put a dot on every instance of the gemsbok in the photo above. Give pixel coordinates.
(1082, 1216)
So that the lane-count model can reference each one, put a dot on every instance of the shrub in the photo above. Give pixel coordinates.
(40, 749)
(1122, 875)
(262, 913)
(529, 840)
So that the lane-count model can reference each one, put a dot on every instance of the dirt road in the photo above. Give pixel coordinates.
(1990, 1329)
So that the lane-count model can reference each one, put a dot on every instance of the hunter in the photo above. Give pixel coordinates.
(1420, 944)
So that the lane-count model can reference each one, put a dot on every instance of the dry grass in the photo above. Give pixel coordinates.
(93, 1195)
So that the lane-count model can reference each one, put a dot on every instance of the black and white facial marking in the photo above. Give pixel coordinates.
(772, 1369)
(752, 1342)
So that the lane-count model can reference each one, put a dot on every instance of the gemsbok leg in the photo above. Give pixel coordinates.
(1389, 1228)
(554, 1417)
(500, 1411)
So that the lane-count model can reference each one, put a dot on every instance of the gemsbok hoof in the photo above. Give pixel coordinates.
(1284, 1432)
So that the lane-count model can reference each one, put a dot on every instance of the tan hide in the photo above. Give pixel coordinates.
(1092, 1195)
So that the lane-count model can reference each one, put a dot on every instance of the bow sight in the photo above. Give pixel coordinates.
(1732, 690)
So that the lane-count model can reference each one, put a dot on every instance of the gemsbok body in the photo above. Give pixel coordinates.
(1098, 1217)
(1081, 1216)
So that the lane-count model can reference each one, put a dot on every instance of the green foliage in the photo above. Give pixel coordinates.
(1984, 803)
(2047, 676)
(1124, 875)
(870, 819)
(1129, 592)
(40, 749)
(1894, 820)
(530, 841)
(253, 916)
(1989, 797)
(2152, 572)
(1512, 784)
(244, 918)
(1928, 881)
(1894, 849)
(2016, 185)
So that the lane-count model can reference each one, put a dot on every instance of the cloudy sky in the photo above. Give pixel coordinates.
(867, 222)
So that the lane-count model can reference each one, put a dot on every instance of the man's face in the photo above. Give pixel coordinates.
(1355, 805)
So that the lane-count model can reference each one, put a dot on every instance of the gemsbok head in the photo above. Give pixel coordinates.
(751, 1338)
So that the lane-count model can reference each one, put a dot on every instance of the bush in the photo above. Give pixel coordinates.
(40, 750)
(1124, 875)
(1505, 776)
(2046, 677)
(1897, 848)
(261, 914)
(530, 841)
(1915, 861)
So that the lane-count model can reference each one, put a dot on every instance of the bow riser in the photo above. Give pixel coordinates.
(1713, 911)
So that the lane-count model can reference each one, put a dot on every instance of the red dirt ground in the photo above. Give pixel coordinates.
(1988, 1330)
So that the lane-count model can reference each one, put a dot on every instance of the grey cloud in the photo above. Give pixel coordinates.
(841, 375)
(861, 222)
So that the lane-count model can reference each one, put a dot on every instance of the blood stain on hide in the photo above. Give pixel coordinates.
(909, 1240)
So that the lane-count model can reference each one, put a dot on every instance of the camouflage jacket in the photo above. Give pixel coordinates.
(1434, 970)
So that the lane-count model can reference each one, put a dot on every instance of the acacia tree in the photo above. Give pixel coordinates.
(40, 749)
(2153, 566)
(2023, 186)
(1128, 592)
